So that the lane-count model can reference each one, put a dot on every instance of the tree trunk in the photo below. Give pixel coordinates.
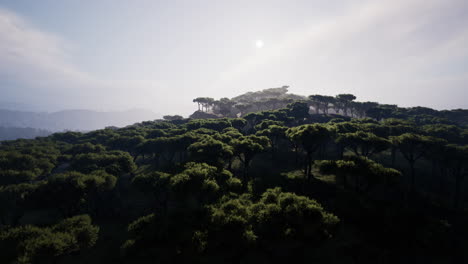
(413, 176)
(458, 182)
(441, 179)
(341, 151)
(356, 182)
(433, 169)
(393, 156)
(309, 166)
(135, 157)
(296, 154)
(246, 167)
(230, 164)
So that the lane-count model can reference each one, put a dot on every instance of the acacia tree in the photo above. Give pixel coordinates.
(310, 137)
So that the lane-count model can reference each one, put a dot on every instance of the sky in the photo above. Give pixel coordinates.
(159, 55)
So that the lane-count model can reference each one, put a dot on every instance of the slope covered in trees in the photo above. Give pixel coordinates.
(341, 104)
(309, 180)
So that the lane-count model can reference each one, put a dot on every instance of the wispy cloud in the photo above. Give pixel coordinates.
(36, 66)
(31, 55)
(410, 52)
(380, 50)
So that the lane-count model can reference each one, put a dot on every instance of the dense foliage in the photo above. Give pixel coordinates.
(273, 177)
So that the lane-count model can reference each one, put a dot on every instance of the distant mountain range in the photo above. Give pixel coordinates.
(78, 120)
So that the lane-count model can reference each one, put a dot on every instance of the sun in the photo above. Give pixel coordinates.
(259, 44)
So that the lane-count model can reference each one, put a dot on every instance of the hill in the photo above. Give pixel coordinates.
(299, 183)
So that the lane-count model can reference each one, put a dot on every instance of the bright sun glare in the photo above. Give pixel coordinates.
(259, 44)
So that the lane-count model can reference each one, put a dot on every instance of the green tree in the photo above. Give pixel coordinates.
(457, 160)
(246, 147)
(211, 151)
(345, 101)
(413, 147)
(363, 143)
(366, 173)
(30, 244)
(310, 137)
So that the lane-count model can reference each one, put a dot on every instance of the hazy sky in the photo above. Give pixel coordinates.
(112, 54)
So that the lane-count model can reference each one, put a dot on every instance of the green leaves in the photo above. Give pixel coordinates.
(310, 136)
(412, 146)
(277, 217)
(30, 244)
(211, 151)
(366, 173)
(363, 143)
(114, 162)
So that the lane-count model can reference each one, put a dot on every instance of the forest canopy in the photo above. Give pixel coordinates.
(264, 177)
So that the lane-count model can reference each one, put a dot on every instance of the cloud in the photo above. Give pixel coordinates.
(410, 52)
(379, 50)
(36, 68)
(33, 56)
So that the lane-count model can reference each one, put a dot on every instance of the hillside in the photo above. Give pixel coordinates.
(342, 104)
(309, 180)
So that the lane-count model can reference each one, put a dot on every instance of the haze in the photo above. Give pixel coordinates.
(114, 55)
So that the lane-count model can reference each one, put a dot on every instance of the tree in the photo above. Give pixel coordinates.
(457, 160)
(364, 107)
(366, 173)
(381, 112)
(178, 231)
(317, 101)
(223, 106)
(74, 192)
(204, 102)
(246, 147)
(31, 244)
(298, 110)
(197, 100)
(211, 151)
(274, 228)
(345, 101)
(274, 133)
(116, 163)
(310, 137)
(14, 199)
(413, 147)
(173, 117)
(363, 143)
